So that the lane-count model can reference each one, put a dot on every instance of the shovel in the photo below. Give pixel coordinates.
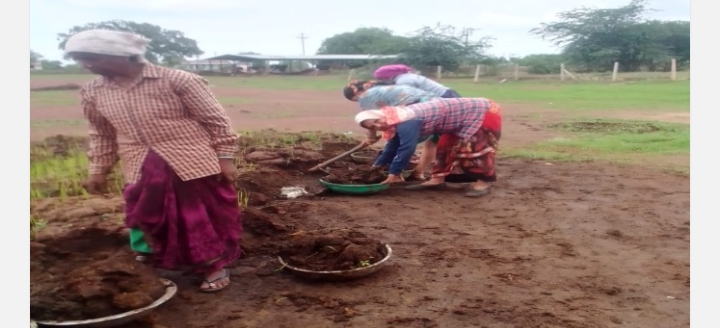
(338, 157)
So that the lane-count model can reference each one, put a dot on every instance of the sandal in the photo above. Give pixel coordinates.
(477, 192)
(214, 288)
(142, 257)
(425, 186)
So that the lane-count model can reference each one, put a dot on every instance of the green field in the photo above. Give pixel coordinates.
(583, 135)
(576, 96)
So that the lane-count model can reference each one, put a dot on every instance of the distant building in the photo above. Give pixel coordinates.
(227, 66)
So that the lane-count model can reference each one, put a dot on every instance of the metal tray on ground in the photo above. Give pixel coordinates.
(340, 274)
(358, 189)
(362, 157)
(118, 319)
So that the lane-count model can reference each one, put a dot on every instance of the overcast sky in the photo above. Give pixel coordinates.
(273, 27)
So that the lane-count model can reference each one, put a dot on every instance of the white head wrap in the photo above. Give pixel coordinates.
(106, 42)
(372, 114)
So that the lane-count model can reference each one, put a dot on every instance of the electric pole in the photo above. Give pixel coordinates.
(302, 38)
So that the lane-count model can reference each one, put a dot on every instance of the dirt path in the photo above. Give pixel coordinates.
(563, 245)
(559, 245)
(289, 110)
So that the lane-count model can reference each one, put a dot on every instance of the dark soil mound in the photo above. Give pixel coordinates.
(356, 175)
(331, 250)
(88, 274)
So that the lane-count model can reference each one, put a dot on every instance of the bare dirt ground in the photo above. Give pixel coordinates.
(554, 244)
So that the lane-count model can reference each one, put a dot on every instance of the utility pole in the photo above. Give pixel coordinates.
(466, 32)
(302, 38)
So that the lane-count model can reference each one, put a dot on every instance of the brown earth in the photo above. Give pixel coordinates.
(68, 282)
(554, 245)
(330, 250)
(356, 175)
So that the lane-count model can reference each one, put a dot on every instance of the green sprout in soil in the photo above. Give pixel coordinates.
(243, 198)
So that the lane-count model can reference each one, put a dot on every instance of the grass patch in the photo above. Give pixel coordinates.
(233, 100)
(55, 123)
(54, 98)
(59, 165)
(617, 141)
(586, 96)
(583, 96)
(621, 137)
(653, 95)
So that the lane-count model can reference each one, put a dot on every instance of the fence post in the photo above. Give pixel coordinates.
(673, 69)
(350, 75)
(615, 71)
(439, 73)
(477, 73)
(562, 72)
(516, 75)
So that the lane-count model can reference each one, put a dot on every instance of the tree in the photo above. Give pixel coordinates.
(541, 63)
(35, 57)
(164, 44)
(675, 37)
(440, 46)
(365, 41)
(594, 39)
(51, 64)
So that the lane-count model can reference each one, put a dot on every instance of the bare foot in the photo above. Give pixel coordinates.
(434, 181)
(417, 176)
(480, 185)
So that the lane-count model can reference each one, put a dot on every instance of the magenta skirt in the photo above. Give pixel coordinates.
(189, 223)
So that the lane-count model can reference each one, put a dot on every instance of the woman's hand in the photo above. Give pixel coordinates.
(228, 170)
(96, 184)
(392, 178)
(371, 138)
(370, 141)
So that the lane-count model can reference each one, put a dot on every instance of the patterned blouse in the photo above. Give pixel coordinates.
(392, 95)
(460, 116)
(170, 111)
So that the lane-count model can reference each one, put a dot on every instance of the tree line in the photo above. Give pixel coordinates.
(589, 39)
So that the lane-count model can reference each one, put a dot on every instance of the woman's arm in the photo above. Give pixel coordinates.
(408, 134)
(371, 136)
(202, 105)
(102, 153)
(391, 148)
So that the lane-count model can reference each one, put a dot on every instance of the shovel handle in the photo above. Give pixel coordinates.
(338, 157)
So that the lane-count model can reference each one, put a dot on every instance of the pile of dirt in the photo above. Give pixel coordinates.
(69, 86)
(88, 274)
(262, 184)
(356, 175)
(297, 157)
(331, 250)
(265, 229)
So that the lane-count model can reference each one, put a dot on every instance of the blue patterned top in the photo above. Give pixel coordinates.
(392, 95)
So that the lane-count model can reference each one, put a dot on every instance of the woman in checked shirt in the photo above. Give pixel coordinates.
(176, 147)
(469, 127)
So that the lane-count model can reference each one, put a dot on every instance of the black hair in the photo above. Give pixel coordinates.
(356, 86)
